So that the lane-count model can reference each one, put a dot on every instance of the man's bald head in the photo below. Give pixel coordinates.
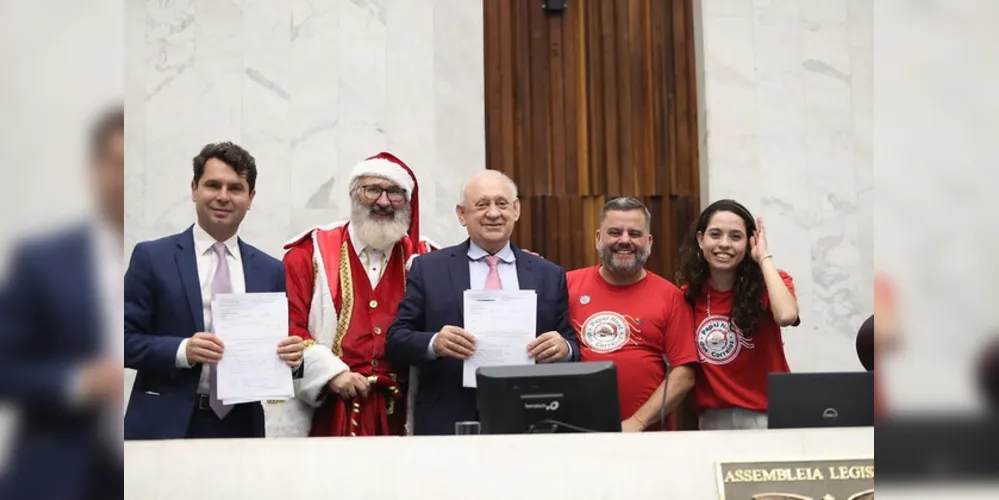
(486, 176)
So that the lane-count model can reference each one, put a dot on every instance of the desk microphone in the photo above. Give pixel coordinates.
(662, 410)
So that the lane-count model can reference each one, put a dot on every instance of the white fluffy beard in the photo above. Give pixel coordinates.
(381, 235)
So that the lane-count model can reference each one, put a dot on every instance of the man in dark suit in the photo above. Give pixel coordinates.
(60, 345)
(168, 323)
(428, 333)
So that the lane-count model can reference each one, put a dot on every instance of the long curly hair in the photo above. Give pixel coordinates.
(747, 293)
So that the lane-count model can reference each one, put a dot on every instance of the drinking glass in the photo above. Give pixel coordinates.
(466, 428)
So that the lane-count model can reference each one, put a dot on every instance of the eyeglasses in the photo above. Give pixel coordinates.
(395, 194)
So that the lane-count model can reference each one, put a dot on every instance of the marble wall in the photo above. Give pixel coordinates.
(309, 87)
(787, 129)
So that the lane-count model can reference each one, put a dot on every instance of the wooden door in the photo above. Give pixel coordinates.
(587, 104)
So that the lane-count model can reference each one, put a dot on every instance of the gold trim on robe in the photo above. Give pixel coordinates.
(347, 302)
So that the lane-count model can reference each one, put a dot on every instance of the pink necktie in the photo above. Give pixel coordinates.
(221, 284)
(493, 278)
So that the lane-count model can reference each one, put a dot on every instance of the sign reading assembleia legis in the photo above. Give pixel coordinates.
(799, 480)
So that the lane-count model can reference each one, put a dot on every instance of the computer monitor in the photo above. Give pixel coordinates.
(804, 400)
(558, 397)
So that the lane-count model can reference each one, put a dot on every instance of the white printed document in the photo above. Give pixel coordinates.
(251, 325)
(503, 322)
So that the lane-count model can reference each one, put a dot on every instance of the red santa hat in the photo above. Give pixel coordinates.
(387, 166)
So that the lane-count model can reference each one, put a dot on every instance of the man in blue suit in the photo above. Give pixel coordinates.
(169, 286)
(428, 333)
(60, 345)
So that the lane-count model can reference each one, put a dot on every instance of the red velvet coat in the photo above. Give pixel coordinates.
(344, 323)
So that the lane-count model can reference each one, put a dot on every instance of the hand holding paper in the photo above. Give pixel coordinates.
(548, 348)
(204, 348)
(454, 342)
(291, 350)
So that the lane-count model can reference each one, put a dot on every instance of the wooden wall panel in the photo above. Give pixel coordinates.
(591, 103)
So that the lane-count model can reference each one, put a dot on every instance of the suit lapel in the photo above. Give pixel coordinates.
(525, 274)
(187, 264)
(460, 276)
(255, 280)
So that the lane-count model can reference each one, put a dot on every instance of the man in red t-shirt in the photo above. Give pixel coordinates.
(635, 318)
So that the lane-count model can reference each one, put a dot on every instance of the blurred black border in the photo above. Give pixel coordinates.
(937, 449)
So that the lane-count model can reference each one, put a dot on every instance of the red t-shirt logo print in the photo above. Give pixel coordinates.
(719, 341)
(608, 331)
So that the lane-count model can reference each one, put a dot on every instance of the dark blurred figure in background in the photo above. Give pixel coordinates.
(988, 376)
(865, 344)
(61, 347)
(866, 353)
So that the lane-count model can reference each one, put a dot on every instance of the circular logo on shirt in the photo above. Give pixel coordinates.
(718, 341)
(585, 299)
(605, 331)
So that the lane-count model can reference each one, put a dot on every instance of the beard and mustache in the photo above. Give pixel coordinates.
(640, 254)
(379, 234)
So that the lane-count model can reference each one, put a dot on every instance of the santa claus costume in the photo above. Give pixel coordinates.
(343, 297)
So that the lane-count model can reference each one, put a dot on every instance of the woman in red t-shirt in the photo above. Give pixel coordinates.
(740, 302)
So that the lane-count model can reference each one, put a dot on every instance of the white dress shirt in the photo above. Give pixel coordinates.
(374, 260)
(207, 265)
(109, 263)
